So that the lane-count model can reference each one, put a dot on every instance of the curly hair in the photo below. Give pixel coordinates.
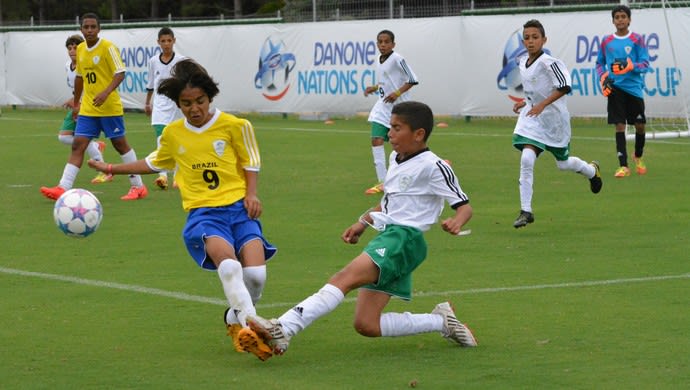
(188, 73)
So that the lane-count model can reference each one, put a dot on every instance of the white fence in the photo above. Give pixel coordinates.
(324, 67)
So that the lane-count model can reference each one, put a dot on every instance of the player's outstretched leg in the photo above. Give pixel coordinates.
(453, 329)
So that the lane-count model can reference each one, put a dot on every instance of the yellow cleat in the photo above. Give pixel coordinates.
(377, 189)
(252, 343)
(622, 172)
(234, 333)
(102, 178)
(640, 166)
(162, 182)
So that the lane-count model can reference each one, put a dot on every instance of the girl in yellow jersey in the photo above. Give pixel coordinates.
(218, 163)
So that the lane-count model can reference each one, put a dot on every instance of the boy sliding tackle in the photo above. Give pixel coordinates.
(416, 186)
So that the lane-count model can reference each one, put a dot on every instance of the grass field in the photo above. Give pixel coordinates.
(594, 294)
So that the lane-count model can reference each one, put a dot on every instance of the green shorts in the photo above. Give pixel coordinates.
(158, 129)
(68, 124)
(561, 154)
(397, 251)
(379, 131)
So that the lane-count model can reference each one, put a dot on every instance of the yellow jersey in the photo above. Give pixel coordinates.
(211, 160)
(97, 65)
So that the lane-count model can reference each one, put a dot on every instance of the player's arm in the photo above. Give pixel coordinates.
(251, 200)
(137, 167)
(147, 106)
(78, 89)
(641, 62)
(99, 99)
(351, 234)
(454, 224)
(555, 95)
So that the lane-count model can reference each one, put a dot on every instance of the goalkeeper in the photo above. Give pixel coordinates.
(622, 61)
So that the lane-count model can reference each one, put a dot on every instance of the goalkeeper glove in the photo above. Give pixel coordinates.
(606, 84)
(621, 66)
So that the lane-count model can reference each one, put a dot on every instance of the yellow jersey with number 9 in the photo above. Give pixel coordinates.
(211, 160)
(97, 65)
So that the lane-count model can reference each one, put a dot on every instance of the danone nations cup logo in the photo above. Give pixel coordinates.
(275, 65)
(509, 77)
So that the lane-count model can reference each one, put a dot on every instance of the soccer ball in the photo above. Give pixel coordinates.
(78, 213)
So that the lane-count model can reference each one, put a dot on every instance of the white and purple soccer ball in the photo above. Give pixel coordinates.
(78, 213)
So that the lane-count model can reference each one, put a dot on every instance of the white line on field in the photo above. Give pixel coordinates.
(221, 302)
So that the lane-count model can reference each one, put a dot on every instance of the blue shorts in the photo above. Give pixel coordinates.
(231, 223)
(91, 126)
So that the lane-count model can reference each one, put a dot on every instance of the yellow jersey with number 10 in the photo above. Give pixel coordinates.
(97, 65)
(211, 160)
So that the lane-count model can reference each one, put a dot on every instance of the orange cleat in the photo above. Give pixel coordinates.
(136, 193)
(52, 192)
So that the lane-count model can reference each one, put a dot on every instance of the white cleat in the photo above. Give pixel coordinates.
(453, 329)
(271, 332)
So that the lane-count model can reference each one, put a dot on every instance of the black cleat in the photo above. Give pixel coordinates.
(523, 219)
(595, 182)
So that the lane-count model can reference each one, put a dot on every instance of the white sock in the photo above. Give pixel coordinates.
(66, 138)
(255, 280)
(527, 159)
(405, 324)
(379, 153)
(131, 156)
(310, 309)
(69, 174)
(93, 151)
(577, 165)
(230, 273)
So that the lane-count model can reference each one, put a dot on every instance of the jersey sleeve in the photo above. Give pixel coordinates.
(445, 184)
(558, 72)
(161, 159)
(641, 59)
(410, 75)
(245, 145)
(116, 60)
(601, 63)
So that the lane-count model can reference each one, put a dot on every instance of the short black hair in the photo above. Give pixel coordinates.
(387, 32)
(166, 31)
(621, 8)
(91, 15)
(536, 24)
(416, 114)
(188, 73)
(74, 40)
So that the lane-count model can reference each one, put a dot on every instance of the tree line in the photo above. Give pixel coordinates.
(45, 12)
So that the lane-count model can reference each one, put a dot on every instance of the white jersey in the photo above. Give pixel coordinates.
(415, 191)
(539, 80)
(164, 110)
(390, 76)
(71, 74)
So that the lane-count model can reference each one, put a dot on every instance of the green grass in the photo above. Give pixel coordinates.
(594, 294)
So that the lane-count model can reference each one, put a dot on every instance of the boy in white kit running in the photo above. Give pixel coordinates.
(544, 121)
(159, 107)
(394, 78)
